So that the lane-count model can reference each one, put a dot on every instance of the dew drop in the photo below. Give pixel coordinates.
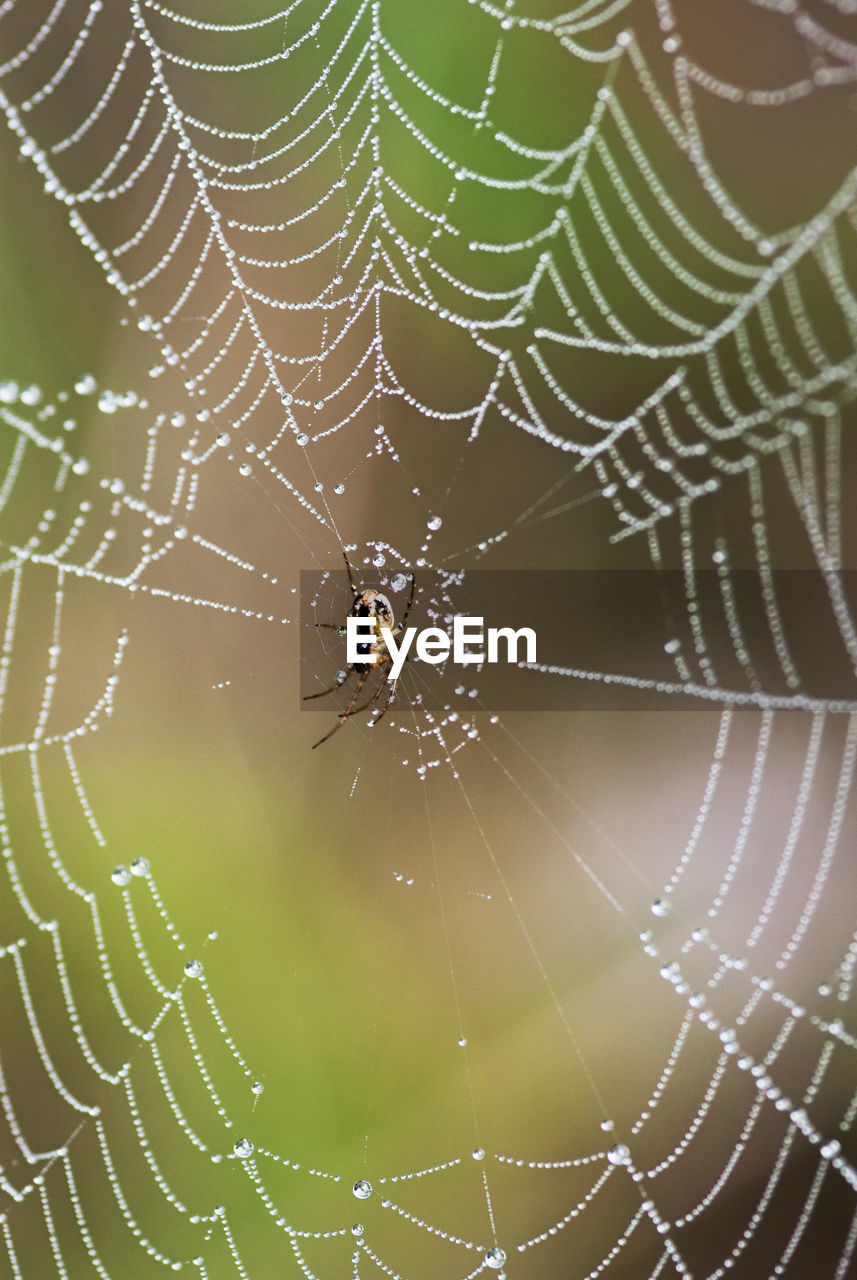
(140, 867)
(339, 488)
(243, 1148)
(121, 875)
(619, 1154)
(341, 676)
(378, 560)
(302, 438)
(398, 582)
(362, 1189)
(30, 395)
(245, 469)
(478, 1153)
(434, 523)
(85, 385)
(257, 1088)
(495, 1258)
(661, 907)
(193, 969)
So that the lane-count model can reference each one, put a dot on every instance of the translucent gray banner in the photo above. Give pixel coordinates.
(594, 640)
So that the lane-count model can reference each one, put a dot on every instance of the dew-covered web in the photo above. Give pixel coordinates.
(462, 285)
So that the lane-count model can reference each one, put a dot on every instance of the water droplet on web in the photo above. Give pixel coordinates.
(661, 907)
(31, 395)
(8, 392)
(257, 1088)
(433, 523)
(121, 875)
(619, 1154)
(85, 385)
(341, 676)
(462, 1042)
(606, 1126)
(339, 488)
(478, 1153)
(245, 469)
(80, 467)
(495, 1258)
(362, 1189)
(378, 560)
(357, 1229)
(140, 867)
(193, 969)
(302, 438)
(243, 1148)
(398, 582)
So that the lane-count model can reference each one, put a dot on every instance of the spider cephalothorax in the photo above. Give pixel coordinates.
(374, 605)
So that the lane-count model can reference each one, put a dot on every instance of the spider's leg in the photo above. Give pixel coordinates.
(390, 696)
(321, 693)
(354, 590)
(349, 710)
(369, 701)
(331, 626)
(410, 602)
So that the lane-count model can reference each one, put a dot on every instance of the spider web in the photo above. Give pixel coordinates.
(463, 993)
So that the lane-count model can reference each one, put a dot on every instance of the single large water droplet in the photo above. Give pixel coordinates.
(193, 968)
(243, 1148)
(85, 385)
(398, 582)
(362, 1189)
(495, 1258)
(121, 875)
(619, 1154)
(661, 907)
(433, 523)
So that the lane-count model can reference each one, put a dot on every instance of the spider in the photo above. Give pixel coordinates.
(366, 604)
